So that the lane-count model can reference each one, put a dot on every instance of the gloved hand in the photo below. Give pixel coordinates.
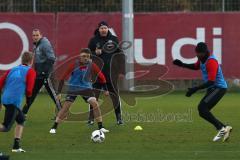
(178, 62)
(191, 91)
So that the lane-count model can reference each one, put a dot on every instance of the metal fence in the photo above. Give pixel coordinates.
(116, 5)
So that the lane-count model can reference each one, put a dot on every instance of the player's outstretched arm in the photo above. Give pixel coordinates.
(193, 66)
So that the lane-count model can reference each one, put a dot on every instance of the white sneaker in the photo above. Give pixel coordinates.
(220, 134)
(228, 130)
(104, 130)
(19, 150)
(53, 131)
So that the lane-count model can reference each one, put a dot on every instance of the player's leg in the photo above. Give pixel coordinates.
(20, 119)
(113, 89)
(37, 86)
(225, 132)
(62, 114)
(204, 111)
(97, 112)
(212, 97)
(97, 90)
(52, 94)
(9, 118)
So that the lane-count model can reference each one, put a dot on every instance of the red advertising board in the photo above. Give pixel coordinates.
(159, 37)
(178, 31)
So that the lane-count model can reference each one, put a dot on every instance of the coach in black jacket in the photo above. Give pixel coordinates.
(105, 46)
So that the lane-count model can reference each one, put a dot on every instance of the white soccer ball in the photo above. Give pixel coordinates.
(97, 136)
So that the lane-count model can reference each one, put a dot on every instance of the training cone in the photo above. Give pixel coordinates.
(138, 128)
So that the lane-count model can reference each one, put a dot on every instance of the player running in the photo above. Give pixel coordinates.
(14, 84)
(80, 83)
(216, 88)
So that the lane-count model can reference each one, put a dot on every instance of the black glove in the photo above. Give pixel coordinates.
(191, 91)
(178, 62)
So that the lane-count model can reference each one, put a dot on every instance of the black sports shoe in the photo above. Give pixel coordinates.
(120, 122)
(3, 157)
(90, 122)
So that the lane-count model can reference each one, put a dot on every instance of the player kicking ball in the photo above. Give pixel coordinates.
(215, 84)
(80, 83)
(16, 83)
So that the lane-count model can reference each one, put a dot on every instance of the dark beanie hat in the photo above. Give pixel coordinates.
(201, 48)
(102, 23)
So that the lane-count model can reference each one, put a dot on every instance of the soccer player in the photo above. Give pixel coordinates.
(14, 84)
(44, 59)
(215, 84)
(80, 83)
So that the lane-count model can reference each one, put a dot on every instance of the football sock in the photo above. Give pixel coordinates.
(55, 125)
(16, 144)
(100, 125)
